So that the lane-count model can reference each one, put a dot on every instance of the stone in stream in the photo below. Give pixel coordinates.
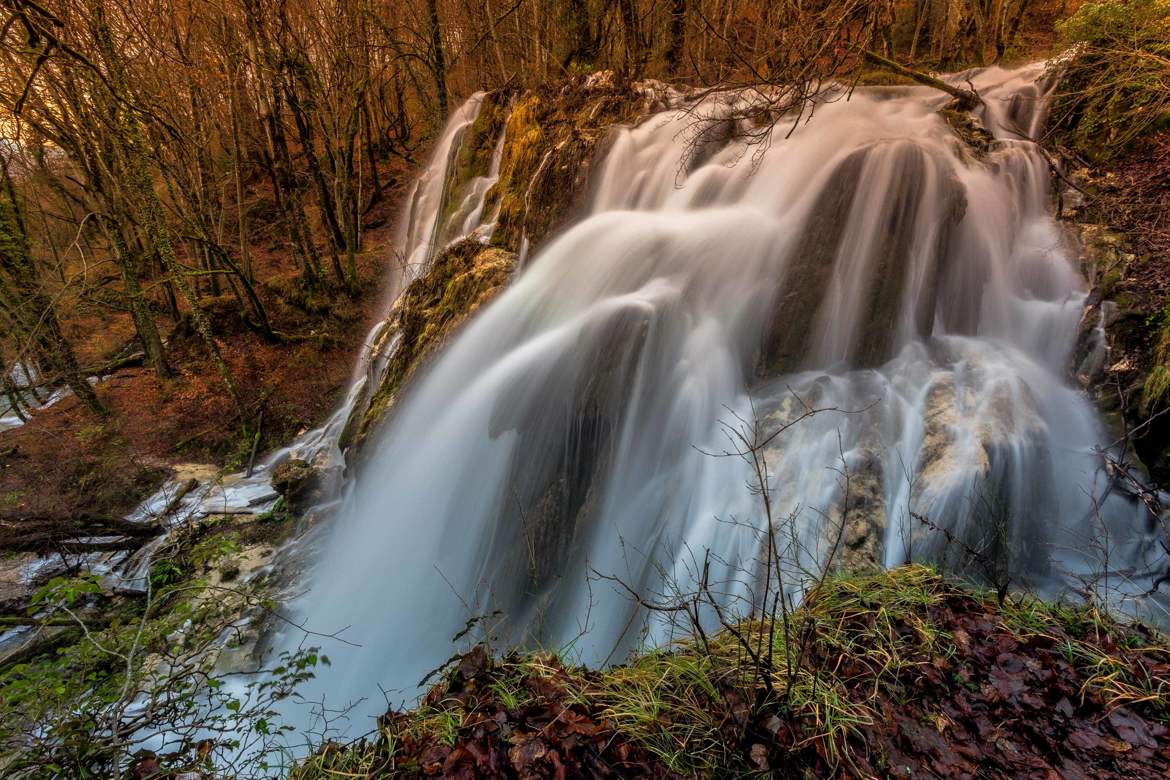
(300, 484)
(982, 463)
(852, 528)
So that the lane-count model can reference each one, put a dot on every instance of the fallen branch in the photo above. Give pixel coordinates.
(48, 545)
(968, 99)
(42, 642)
(134, 360)
(177, 499)
(47, 533)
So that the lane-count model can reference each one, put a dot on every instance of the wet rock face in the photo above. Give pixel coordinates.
(925, 204)
(1116, 351)
(853, 532)
(810, 268)
(1104, 259)
(562, 454)
(900, 233)
(464, 277)
(984, 476)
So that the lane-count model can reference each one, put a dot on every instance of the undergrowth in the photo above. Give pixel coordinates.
(874, 647)
(1116, 85)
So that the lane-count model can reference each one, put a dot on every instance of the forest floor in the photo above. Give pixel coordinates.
(897, 674)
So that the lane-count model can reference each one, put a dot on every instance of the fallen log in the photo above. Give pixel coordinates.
(177, 499)
(133, 360)
(42, 641)
(968, 99)
(13, 621)
(48, 533)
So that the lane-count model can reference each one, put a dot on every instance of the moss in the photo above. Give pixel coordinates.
(1157, 380)
(522, 149)
(552, 137)
(462, 278)
(1115, 87)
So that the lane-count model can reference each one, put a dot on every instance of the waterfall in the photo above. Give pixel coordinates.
(870, 265)
(420, 230)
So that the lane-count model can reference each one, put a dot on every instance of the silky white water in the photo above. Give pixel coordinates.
(870, 264)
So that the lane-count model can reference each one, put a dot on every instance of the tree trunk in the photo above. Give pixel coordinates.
(631, 38)
(278, 160)
(438, 61)
(967, 99)
(139, 311)
(582, 49)
(33, 311)
(678, 35)
(129, 139)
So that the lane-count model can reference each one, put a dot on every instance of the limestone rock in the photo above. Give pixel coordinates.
(976, 439)
(299, 482)
(462, 278)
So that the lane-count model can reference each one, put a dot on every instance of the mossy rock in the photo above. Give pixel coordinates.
(299, 483)
(474, 156)
(552, 138)
(462, 278)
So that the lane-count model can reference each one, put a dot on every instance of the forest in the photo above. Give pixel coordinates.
(211, 211)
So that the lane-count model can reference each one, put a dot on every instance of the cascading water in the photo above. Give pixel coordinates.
(870, 264)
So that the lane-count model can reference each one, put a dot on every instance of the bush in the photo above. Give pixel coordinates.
(1116, 86)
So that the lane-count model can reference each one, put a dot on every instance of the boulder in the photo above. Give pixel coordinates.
(983, 464)
(299, 482)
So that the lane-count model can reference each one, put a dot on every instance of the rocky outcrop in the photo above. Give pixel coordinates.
(1120, 352)
(299, 483)
(551, 138)
(463, 277)
(852, 528)
(973, 138)
(861, 517)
